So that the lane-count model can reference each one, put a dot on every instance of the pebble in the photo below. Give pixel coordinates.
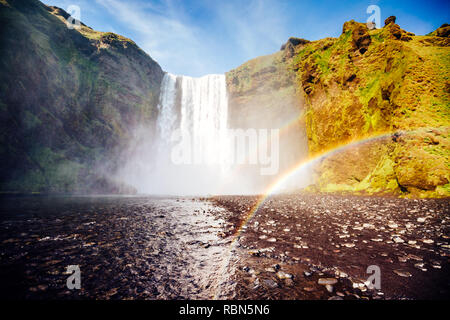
(335, 298)
(404, 274)
(270, 283)
(307, 274)
(398, 240)
(283, 275)
(327, 281)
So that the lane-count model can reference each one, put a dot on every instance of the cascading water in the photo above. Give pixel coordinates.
(193, 116)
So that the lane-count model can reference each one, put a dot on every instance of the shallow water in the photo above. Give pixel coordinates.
(126, 248)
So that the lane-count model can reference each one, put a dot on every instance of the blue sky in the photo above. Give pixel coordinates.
(200, 37)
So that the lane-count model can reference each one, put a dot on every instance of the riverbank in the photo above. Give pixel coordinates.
(293, 241)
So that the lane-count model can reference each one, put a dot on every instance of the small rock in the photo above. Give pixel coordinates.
(272, 240)
(421, 220)
(329, 288)
(307, 274)
(393, 225)
(398, 240)
(289, 282)
(420, 266)
(325, 281)
(283, 275)
(404, 274)
(270, 283)
(335, 298)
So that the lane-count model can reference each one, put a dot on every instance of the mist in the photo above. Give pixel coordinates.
(194, 148)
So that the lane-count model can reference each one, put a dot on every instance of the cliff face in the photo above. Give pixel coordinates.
(68, 101)
(386, 92)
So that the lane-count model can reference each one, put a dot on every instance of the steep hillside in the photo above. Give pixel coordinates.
(387, 93)
(68, 101)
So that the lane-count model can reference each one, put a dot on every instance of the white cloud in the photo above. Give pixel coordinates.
(235, 31)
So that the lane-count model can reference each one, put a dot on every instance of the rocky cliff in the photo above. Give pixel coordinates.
(385, 93)
(68, 101)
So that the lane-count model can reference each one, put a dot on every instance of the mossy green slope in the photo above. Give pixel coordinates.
(384, 83)
(68, 100)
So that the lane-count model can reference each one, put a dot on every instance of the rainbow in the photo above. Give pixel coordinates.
(276, 186)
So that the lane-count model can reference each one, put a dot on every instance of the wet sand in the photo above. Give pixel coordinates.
(126, 248)
(313, 237)
(184, 248)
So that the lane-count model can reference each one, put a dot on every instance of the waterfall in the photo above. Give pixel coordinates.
(196, 109)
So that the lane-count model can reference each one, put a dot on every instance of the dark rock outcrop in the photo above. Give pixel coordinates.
(360, 35)
(291, 44)
(389, 20)
(443, 31)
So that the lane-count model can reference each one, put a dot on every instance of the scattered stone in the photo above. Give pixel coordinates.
(325, 281)
(329, 288)
(283, 275)
(427, 241)
(335, 298)
(272, 240)
(421, 220)
(420, 266)
(404, 274)
(307, 274)
(270, 283)
(289, 282)
(398, 240)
